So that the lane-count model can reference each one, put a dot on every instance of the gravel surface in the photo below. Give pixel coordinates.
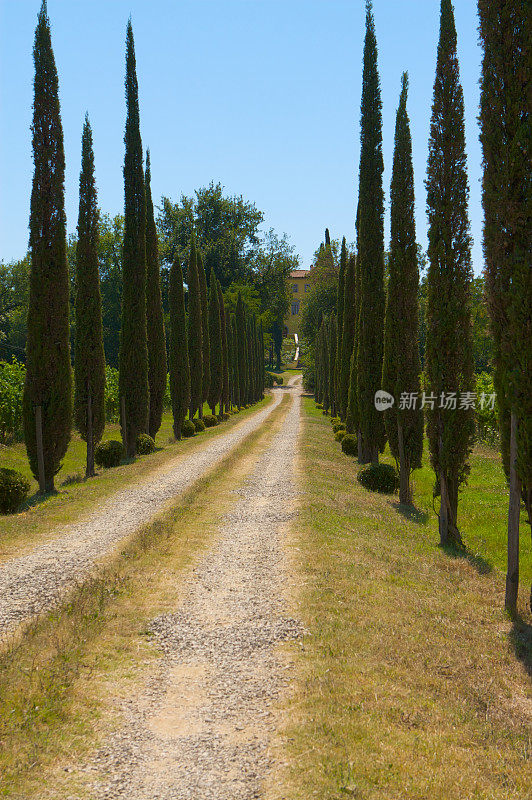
(36, 581)
(200, 727)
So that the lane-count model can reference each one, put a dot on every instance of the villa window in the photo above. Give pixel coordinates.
(295, 308)
(295, 287)
(307, 287)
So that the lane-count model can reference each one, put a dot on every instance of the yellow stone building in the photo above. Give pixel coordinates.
(299, 286)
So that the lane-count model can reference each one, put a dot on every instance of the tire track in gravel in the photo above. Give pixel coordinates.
(36, 581)
(200, 727)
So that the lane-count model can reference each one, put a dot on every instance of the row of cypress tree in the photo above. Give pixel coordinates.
(373, 345)
(201, 351)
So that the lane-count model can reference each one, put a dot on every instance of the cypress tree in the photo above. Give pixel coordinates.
(324, 365)
(224, 402)
(340, 326)
(89, 361)
(154, 316)
(348, 334)
(195, 337)
(400, 376)
(262, 370)
(249, 359)
(178, 347)
(370, 252)
(241, 352)
(234, 362)
(133, 360)
(333, 338)
(327, 238)
(215, 340)
(448, 355)
(47, 388)
(505, 135)
(206, 379)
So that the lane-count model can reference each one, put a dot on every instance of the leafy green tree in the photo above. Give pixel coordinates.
(48, 374)
(225, 396)
(448, 357)
(205, 338)
(178, 349)
(89, 358)
(110, 246)
(14, 298)
(154, 316)
(241, 352)
(400, 376)
(277, 330)
(370, 259)
(133, 359)
(215, 350)
(195, 331)
(348, 335)
(340, 325)
(506, 197)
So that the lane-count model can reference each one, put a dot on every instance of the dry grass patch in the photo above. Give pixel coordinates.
(62, 684)
(412, 683)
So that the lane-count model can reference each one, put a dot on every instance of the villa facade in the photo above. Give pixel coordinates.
(299, 287)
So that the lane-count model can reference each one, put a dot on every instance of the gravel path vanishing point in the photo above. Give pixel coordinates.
(36, 581)
(199, 730)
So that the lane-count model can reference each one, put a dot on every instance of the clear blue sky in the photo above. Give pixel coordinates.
(262, 95)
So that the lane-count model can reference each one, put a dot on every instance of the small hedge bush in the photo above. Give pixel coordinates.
(338, 426)
(210, 420)
(145, 444)
(188, 428)
(319, 405)
(339, 435)
(350, 444)
(109, 454)
(335, 420)
(14, 489)
(268, 380)
(199, 425)
(279, 380)
(379, 478)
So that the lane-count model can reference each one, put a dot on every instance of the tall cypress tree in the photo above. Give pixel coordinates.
(324, 364)
(249, 359)
(206, 379)
(47, 388)
(133, 360)
(89, 357)
(195, 332)
(215, 342)
(224, 402)
(340, 326)
(370, 252)
(333, 338)
(178, 348)
(154, 316)
(241, 351)
(506, 191)
(235, 375)
(400, 375)
(448, 354)
(348, 334)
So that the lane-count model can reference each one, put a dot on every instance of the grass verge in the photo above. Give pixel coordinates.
(57, 682)
(413, 683)
(77, 495)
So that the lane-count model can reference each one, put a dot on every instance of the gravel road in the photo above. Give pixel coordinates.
(35, 582)
(200, 727)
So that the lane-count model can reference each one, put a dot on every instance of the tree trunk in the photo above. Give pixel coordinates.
(125, 438)
(40, 450)
(89, 472)
(359, 445)
(512, 574)
(405, 491)
(366, 452)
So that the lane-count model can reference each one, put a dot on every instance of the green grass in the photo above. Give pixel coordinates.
(412, 683)
(75, 495)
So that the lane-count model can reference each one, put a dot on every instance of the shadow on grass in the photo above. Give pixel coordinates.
(482, 565)
(521, 640)
(411, 513)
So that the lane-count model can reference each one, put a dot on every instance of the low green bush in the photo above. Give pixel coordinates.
(145, 444)
(350, 444)
(379, 478)
(108, 454)
(210, 420)
(14, 489)
(338, 426)
(268, 380)
(339, 435)
(188, 428)
(199, 425)
(223, 416)
(335, 420)
(319, 405)
(279, 380)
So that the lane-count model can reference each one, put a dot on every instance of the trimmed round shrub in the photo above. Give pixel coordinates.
(319, 405)
(14, 489)
(199, 425)
(338, 426)
(188, 428)
(379, 478)
(335, 420)
(350, 444)
(109, 454)
(145, 444)
(210, 420)
(339, 435)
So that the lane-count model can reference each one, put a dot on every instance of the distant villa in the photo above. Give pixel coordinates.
(299, 288)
